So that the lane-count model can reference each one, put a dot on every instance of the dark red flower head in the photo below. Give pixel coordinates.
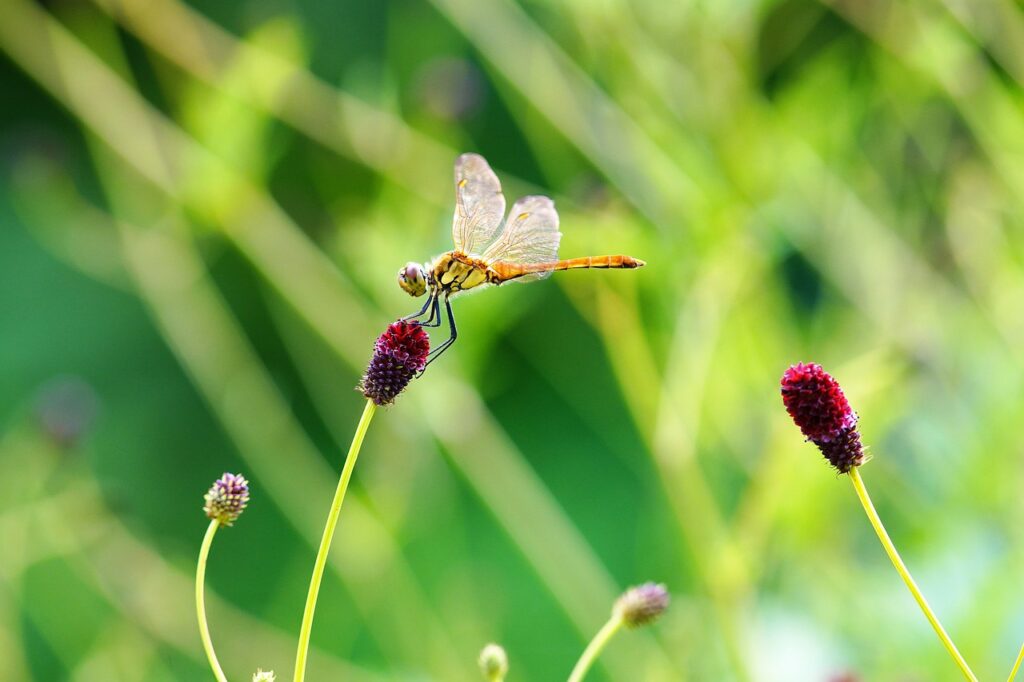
(398, 356)
(816, 403)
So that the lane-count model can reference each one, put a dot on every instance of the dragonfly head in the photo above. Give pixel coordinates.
(413, 279)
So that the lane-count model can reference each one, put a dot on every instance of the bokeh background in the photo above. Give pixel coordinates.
(204, 205)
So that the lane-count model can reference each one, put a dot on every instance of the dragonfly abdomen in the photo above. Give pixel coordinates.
(507, 271)
(626, 262)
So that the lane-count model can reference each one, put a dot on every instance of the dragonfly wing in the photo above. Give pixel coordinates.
(530, 235)
(479, 204)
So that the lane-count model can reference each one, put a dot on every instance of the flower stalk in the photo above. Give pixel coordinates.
(596, 646)
(325, 542)
(204, 628)
(901, 568)
(1017, 664)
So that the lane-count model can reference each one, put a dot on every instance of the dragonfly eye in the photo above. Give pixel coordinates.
(412, 280)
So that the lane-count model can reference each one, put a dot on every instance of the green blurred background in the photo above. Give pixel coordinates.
(203, 208)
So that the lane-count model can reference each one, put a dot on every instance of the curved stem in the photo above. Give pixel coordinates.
(1016, 666)
(596, 646)
(325, 542)
(901, 568)
(204, 629)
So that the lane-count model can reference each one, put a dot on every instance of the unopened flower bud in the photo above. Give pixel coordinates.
(226, 498)
(399, 354)
(493, 663)
(642, 604)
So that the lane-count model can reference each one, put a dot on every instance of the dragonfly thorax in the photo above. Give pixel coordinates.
(456, 271)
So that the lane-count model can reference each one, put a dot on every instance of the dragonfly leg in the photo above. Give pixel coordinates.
(435, 313)
(430, 300)
(453, 334)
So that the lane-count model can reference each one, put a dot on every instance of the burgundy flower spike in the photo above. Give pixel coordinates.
(398, 356)
(816, 403)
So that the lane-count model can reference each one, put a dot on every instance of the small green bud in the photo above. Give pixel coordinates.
(642, 604)
(493, 663)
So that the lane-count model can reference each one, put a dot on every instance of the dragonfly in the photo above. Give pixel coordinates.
(490, 248)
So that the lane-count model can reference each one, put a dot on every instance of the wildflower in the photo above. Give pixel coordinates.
(261, 676)
(225, 501)
(493, 663)
(399, 354)
(818, 406)
(227, 498)
(642, 604)
(637, 606)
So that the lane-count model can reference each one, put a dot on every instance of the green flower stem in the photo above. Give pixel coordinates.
(901, 568)
(325, 542)
(596, 646)
(204, 629)
(1016, 665)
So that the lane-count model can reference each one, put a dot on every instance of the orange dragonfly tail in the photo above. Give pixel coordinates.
(508, 271)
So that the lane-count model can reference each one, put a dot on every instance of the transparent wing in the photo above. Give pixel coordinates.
(479, 204)
(530, 235)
